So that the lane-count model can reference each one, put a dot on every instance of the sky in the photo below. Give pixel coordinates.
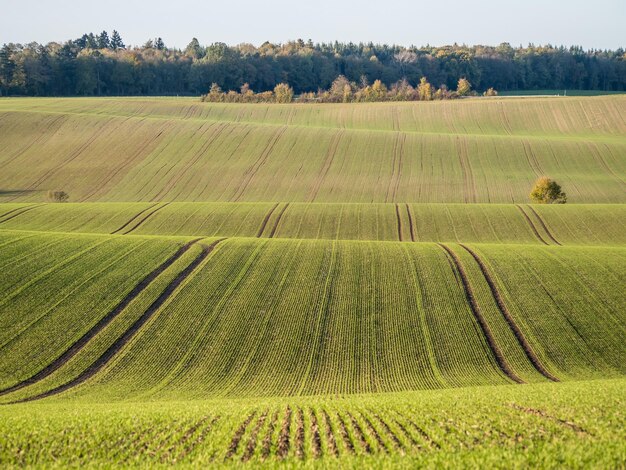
(598, 24)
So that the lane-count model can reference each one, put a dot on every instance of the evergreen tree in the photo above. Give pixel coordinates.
(116, 41)
(103, 40)
(159, 44)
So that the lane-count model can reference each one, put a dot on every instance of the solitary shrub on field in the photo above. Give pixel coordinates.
(490, 92)
(547, 191)
(58, 196)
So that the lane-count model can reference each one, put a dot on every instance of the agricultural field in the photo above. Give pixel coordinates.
(362, 285)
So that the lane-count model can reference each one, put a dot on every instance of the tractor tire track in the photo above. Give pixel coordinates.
(399, 219)
(471, 299)
(545, 415)
(530, 354)
(234, 443)
(22, 209)
(252, 171)
(398, 173)
(134, 227)
(543, 224)
(411, 225)
(121, 341)
(133, 218)
(280, 216)
(328, 161)
(531, 158)
(530, 223)
(468, 177)
(266, 220)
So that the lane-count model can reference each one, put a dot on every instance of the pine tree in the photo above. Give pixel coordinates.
(159, 44)
(103, 40)
(116, 41)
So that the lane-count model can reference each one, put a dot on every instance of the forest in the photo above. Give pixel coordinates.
(101, 64)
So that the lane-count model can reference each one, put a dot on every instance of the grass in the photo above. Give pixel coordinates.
(180, 150)
(321, 285)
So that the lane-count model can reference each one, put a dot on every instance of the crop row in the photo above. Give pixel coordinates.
(465, 223)
(569, 424)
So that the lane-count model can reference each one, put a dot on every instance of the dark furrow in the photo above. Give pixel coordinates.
(543, 414)
(266, 220)
(543, 224)
(330, 156)
(411, 227)
(120, 342)
(374, 432)
(343, 430)
(330, 436)
(188, 449)
(530, 222)
(104, 321)
(168, 455)
(407, 434)
(316, 440)
(396, 442)
(134, 227)
(399, 222)
(267, 440)
(15, 210)
(299, 438)
(280, 215)
(247, 455)
(422, 433)
(282, 449)
(24, 209)
(359, 434)
(234, 443)
(134, 218)
(469, 294)
(530, 354)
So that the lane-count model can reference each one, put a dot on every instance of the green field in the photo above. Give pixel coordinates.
(329, 285)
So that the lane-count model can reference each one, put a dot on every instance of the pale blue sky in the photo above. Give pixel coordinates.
(592, 24)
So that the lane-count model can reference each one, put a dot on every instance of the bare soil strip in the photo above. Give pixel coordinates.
(530, 354)
(22, 211)
(372, 430)
(359, 434)
(110, 353)
(265, 220)
(316, 441)
(104, 321)
(189, 448)
(282, 448)
(249, 452)
(399, 222)
(234, 443)
(330, 436)
(299, 440)
(280, 215)
(344, 435)
(545, 415)
(543, 224)
(133, 219)
(396, 442)
(469, 294)
(134, 227)
(411, 225)
(267, 440)
(532, 226)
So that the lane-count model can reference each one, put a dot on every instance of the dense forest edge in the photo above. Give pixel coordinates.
(102, 65)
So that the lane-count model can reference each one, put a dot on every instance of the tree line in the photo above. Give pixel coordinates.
(344, 91)
(101, 64)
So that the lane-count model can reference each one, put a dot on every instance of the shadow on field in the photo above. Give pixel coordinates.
(17, 192)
